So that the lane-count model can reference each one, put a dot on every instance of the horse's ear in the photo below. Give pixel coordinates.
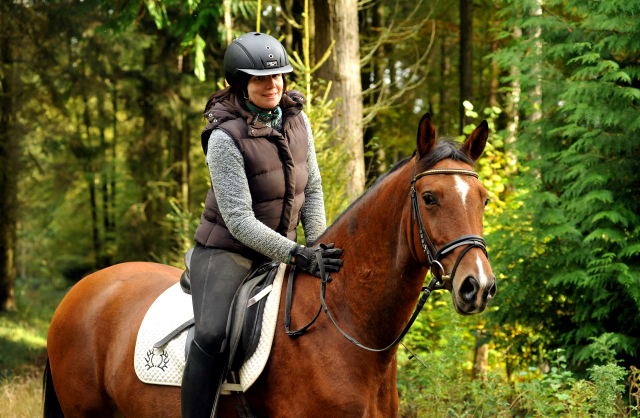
(426, 136)
(474, 145)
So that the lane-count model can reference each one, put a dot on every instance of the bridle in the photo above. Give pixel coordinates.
(433, 259)
(434, 256)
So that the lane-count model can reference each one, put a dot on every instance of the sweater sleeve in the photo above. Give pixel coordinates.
(313, 217)
(231, 187)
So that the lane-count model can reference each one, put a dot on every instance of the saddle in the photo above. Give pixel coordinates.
(244, 324)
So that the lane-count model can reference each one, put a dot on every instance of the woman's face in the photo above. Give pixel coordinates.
(265, 90)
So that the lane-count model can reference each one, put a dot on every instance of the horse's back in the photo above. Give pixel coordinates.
(93, 333)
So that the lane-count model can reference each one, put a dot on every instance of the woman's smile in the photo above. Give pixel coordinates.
(265, 91)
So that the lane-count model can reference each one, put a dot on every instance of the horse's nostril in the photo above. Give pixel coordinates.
(469, 289)
(489, 294)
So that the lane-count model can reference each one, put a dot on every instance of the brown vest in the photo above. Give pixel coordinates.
(275, 166)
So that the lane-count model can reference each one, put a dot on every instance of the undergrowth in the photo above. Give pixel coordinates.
(443, 387)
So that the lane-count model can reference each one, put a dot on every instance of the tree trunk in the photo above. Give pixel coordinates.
(228, 22)
(114, 98)
(374, 75)
(495, 73)
(536, 97)
(106, 213)
(181, 142)
(8, 165)
(445, 96)
(480, 358)
(287, 28)
(338, 19)
(95, 232)
(513, 112)
(87, 154)
(466, 57)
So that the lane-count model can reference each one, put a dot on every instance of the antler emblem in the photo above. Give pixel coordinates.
(160, 362)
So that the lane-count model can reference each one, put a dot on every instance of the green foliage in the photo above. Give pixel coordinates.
(443, 387)
(23, 332)
(566, 245)
(607, 388)
(494, 164)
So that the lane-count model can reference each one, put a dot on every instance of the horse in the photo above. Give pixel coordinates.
(321, 374)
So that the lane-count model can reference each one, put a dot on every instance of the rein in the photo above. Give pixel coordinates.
(433, 258)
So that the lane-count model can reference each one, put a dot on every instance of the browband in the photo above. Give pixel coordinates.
(447, 171)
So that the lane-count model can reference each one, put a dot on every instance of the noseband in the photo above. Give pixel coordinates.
(434, 256)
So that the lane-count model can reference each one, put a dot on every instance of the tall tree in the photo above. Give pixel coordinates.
(466, 57)
(10, 14)
(338, 20)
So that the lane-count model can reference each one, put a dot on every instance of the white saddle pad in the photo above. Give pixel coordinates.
(164, 365)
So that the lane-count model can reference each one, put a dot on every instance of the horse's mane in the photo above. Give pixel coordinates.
(445, 149)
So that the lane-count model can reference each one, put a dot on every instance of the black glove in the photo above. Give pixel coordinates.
(305, 258)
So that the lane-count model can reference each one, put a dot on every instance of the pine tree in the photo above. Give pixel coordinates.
(569, 249)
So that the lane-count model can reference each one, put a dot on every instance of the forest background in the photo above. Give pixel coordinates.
(100, 162)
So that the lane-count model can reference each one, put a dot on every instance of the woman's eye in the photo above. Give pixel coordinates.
(429, 199)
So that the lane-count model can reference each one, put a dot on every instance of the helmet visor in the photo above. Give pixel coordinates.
(267, 71)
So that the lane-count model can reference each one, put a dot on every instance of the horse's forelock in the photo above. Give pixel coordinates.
(446, 149)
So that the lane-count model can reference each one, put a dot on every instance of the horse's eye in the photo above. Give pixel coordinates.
(486, 202)
(429, 199)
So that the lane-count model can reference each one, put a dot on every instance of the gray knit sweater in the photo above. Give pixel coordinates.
(231, 187)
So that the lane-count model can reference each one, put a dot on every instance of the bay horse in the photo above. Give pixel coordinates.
(320, 374)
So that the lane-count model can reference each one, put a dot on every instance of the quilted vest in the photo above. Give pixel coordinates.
(275, 166)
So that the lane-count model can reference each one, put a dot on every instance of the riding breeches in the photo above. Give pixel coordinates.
(215, 277)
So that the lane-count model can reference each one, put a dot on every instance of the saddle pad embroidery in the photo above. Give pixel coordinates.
(164, 365)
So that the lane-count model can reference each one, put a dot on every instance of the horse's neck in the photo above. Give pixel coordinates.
(380, 282)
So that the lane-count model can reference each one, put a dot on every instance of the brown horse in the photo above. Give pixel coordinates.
(320, 374)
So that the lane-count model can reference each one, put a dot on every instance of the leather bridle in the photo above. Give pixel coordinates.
(434, 256)
(433, 259)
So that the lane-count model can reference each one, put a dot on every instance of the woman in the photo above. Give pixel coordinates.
(265, 179)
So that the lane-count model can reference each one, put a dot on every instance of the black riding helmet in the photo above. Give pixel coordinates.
(254, 53)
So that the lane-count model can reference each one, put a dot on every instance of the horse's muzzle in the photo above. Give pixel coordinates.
(471, 297)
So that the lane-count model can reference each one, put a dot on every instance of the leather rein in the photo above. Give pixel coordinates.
(433, 259)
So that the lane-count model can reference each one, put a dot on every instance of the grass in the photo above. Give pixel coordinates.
(21, 396)
(23, 348)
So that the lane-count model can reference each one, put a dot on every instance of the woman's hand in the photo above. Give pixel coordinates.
(305, 258)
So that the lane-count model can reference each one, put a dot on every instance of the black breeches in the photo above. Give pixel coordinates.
(215, 276)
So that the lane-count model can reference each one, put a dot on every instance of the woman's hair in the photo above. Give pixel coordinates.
(238, 89)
